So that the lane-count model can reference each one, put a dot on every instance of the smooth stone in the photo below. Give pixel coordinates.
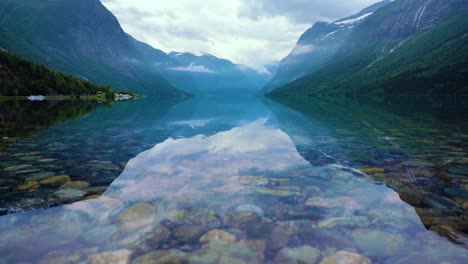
(281, 233)
(32, 185)
(218, 236)
(17, 168)
(250, 208)
(39, 176)
(136, 216)
(372, 170)
(148, 241)
(345, 257)
(188, 233)
(377, 243)
(276, 192)
(29, 158)
(213, 253)
(92, 197)
(359, 221)
(161, 257)
(242, 219)
(46, 160)
(75, 185)
(115, 257)
(320, 202)
(257, 246)
(300, 255)
(70, 194)
(56, 180)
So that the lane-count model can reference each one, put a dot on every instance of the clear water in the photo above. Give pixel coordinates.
(237, 180)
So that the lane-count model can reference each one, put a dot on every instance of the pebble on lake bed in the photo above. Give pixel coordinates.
(56, 180)
(345, 257)
(115, 257)
(218, 236)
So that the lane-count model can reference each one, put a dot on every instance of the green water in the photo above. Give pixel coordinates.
(238, 180)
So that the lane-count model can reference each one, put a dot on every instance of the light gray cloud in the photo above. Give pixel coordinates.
(252, 32)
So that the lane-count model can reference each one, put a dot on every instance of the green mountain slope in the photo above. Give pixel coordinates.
(81, 38)
(392, 53)
(19, 77)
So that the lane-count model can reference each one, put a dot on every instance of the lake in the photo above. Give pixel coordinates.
(234, 180)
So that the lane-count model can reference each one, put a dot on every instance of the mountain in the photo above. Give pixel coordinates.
(317, 46)
(413, 47)
(211, 74)
(204, 73)
(81, 38)
(20, 77)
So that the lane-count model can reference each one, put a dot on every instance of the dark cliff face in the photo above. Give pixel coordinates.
(78, 37)
(318, 45)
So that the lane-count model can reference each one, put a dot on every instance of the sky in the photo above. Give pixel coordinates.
(250, 32)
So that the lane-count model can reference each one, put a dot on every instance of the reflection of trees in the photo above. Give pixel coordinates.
(24, 118)
(409, 145)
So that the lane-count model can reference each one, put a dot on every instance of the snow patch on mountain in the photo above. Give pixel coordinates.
(354, 20)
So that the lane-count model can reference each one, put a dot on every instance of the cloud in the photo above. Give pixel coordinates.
(192, 68)
(252, 32)
(302, 49)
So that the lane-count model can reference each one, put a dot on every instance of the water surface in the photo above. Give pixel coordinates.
(238, 180)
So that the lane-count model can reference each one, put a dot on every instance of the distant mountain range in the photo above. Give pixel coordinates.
(399, 47)
(84, 39)
(204, 73)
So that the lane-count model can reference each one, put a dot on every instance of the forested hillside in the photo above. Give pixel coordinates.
(20, 77)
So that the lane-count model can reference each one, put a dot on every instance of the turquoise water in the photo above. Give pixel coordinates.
(238, 180)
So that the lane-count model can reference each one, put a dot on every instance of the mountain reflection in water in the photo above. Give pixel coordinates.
(232, 187)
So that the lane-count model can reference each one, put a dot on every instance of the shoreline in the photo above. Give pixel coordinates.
(99, 97)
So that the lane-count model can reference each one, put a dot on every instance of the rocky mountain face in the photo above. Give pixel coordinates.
(415, 47)
(318, 45)
(81, 38)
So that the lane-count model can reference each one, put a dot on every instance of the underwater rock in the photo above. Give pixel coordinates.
(56, 180)
(241, 220)
(257, 246)
(300, 255)
(39, 176)
(17, 168)
(114, 257)
(250, 208)
(345, 257)
(354, 221)
(161, 257)
(377, 243)
(218, 236)
(214, 253)
(32, 185)
(148, 241)
(75, 185)
(281, 233)
(188, 233)
(321, 202)
(276, 192)
(136, 216)
(70, 194)
(372, 170)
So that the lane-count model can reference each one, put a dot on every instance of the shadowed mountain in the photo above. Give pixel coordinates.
(404, 48)
(81, 38)
(317, 46)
